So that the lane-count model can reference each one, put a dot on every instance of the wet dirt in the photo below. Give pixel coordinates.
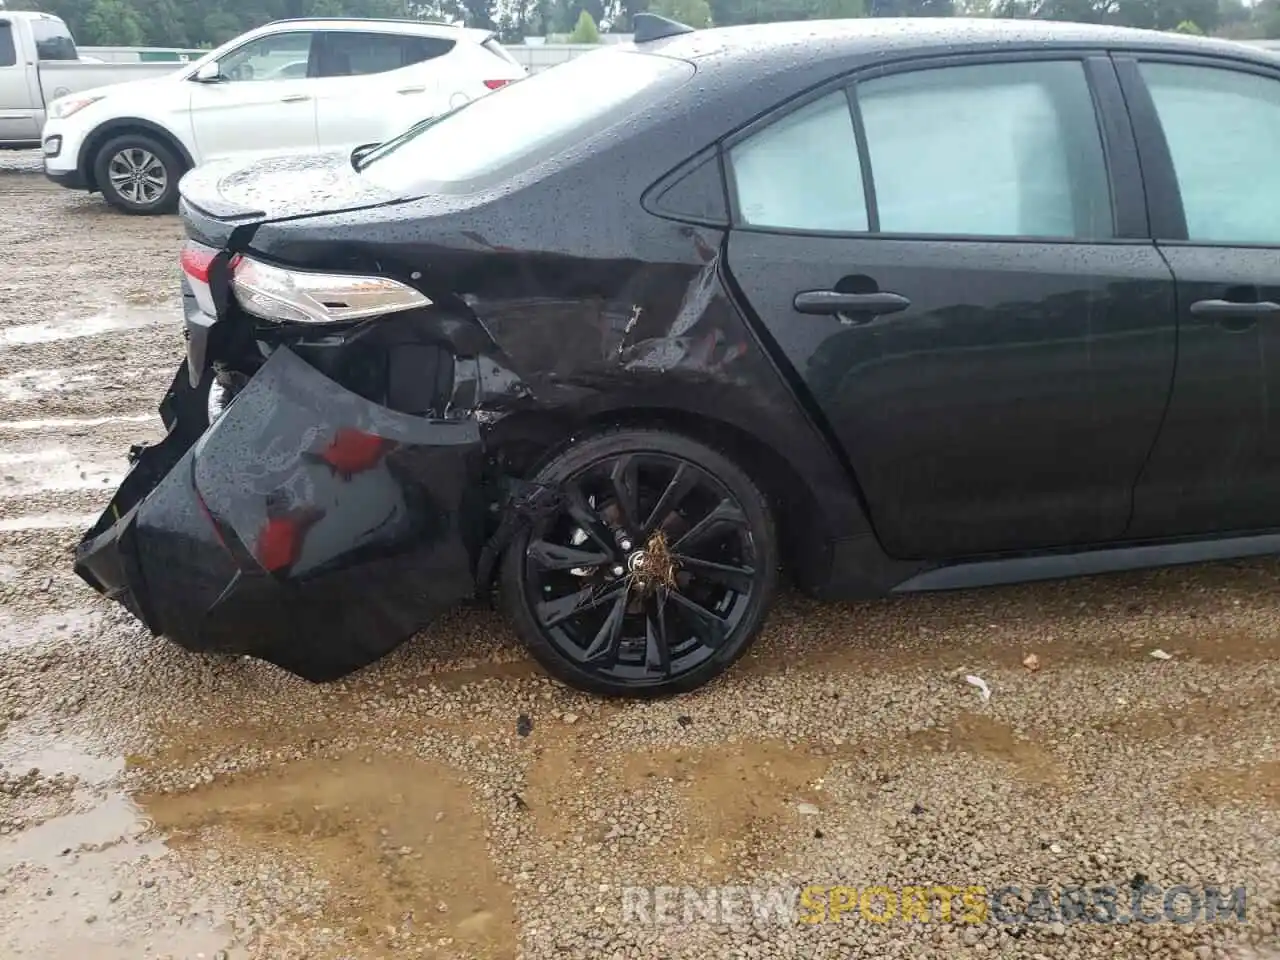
(451, 802)
(398, 844)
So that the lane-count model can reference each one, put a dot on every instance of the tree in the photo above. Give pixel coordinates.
(1147, 14)
(585, 31)
(912, 8)
(1188, 26)
(694, 13)
(161, 22)
(112, 23)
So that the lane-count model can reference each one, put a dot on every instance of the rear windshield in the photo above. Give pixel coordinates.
(53, 40)
(523, 123)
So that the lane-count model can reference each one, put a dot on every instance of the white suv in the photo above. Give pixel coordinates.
(293, 86)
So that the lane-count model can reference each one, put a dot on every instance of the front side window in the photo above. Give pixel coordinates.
(281, 56)
(801, 172)
(994, 150)
(349, 54)
(524, 123)
(53, 40)
(1223, 131)
(8, 52)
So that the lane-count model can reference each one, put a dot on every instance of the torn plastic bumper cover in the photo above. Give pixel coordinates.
(306, 526)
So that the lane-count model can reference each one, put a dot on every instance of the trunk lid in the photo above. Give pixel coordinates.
(222, 197)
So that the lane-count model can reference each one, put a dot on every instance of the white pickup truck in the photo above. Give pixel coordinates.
(38, 64)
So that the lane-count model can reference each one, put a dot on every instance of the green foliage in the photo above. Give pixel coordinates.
(115, 21)
(1188, 26)
(1147, 14)
(695, 13)
(912, 8)
(585, 31)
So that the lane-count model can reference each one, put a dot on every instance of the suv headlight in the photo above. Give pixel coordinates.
(64, 107)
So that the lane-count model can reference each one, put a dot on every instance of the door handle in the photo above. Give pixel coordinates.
(411, 89)
(1232, 308)
(294, 98)
(835, 303)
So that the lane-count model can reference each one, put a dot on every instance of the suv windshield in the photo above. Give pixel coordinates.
(523, 123)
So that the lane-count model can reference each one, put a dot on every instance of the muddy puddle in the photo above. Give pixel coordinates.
(88, 878)
(58, 469)
(75, 423)
(388, 853)
(30, 384)
(70, 327)
(27, 631)
(46, 521)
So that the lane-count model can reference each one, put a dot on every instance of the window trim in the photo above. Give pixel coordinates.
(1163, 193)
(1119, 155)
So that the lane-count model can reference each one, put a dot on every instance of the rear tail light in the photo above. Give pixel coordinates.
(300, 296)
(196, 261)
(495, 84)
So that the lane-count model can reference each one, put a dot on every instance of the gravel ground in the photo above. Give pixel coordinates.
(20, 161)
(451, 802)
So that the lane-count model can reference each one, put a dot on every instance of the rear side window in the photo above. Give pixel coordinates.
(989, 150)
(8, 53)
(360, 54)
(996, 150)
(53, 40)
(802, 172)
(1223, 131)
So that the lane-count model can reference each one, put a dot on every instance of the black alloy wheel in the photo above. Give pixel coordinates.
(656, 573)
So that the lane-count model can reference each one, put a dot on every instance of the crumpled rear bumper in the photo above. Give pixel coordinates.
(306, 526)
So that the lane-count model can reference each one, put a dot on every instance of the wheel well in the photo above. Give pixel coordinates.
(795, 507)
(89, 152)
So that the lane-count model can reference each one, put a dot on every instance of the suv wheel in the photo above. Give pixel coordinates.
(138, 174)
(655, 574)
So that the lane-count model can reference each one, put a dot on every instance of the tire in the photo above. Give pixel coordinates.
(656, 629)
(138, 152)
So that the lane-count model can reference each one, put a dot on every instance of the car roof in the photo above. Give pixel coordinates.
(822, 40)
(421, 28)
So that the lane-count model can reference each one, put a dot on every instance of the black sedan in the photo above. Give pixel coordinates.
(887, 306)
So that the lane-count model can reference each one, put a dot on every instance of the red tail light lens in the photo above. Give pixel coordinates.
(196, 260)
(495, 84)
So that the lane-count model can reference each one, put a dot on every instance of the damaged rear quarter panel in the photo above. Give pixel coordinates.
(598, 311)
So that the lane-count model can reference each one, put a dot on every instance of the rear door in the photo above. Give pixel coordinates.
(264, 103)
(954, 258)
(1209, 131)
(19, 100)
(371, 86)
